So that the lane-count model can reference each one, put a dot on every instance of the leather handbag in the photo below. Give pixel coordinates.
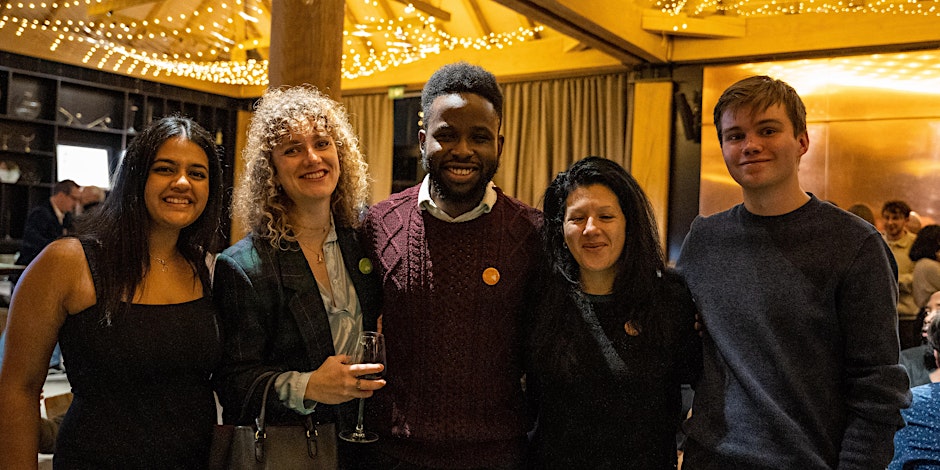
(263, 446)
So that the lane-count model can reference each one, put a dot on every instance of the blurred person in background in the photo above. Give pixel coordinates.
(925, 254)
(895, 215)
(917, 445)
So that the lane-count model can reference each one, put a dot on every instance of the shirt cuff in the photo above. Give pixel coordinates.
(291, 387)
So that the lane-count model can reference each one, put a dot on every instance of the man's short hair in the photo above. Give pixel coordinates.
(461, 77)
(760, 93)
(897, 207)
(65, 187)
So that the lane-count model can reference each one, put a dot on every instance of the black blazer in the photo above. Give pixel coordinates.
(272, 318)
(42, 227)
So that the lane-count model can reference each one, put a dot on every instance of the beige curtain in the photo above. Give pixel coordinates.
(372, 117)
(550, 124)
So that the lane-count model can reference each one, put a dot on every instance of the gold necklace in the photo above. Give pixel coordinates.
(312, 229)
(319, 252)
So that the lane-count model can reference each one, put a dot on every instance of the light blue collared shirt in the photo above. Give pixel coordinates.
(427, 204)
(345, 315)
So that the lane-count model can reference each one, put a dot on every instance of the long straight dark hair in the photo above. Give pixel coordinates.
(120, 225)
(641, 264)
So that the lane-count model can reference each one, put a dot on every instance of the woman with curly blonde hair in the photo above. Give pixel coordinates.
(296, 292)
(259, 202)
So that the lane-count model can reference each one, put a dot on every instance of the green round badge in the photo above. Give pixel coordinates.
(365, 266)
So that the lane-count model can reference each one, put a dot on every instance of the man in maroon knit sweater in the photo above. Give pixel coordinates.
(457, 262)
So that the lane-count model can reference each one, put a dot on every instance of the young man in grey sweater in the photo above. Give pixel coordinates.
(798, 299)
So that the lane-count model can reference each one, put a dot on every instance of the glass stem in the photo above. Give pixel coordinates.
(362, 408)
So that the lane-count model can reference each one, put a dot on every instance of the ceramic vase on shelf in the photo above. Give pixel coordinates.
(27, 106)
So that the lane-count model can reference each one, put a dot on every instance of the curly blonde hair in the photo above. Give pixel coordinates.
(259, 202)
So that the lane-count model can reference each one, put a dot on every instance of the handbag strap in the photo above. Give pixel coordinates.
(243, 415)
(260, 435)
(259, 421)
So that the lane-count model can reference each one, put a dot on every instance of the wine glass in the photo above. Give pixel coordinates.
(369, 350)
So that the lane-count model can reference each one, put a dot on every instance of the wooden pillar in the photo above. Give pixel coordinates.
(649, 160)
(307, 44)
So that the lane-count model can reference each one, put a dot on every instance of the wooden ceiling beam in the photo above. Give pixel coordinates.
(442, 15)
(113, 6)
(476, 14)
(557, 15)
(387, 8)
(530, 24)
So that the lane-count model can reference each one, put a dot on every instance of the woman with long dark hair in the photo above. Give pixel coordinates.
(614, 336)
(129, 302)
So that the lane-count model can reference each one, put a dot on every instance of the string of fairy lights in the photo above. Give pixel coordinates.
(375, 45)
(746, 8)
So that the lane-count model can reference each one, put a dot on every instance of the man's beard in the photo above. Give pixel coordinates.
(446, 193)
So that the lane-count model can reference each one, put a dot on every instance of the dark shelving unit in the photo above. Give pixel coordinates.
(75, 106)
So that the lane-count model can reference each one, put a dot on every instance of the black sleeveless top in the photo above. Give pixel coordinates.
(141, 392)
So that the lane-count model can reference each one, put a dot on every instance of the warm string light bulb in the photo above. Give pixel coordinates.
(748, 8)
(406, 39)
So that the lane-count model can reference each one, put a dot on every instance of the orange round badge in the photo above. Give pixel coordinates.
(490, 276)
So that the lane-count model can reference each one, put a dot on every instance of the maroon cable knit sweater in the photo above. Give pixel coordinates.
(453, 398)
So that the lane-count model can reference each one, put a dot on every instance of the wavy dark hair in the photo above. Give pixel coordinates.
(121, 223)
(927, 243)
(641, 264)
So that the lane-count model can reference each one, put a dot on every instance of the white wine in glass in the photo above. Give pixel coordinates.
(369, 350)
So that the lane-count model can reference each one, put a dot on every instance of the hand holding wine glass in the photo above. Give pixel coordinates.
(370, 350)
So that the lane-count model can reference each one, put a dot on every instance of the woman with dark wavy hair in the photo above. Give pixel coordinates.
(614, 336)
(129, 302)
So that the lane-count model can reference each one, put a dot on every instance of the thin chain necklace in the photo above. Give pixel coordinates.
(319, 252)
(312, 230)
(307, 230)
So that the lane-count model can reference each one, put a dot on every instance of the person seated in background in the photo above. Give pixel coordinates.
(926, 278)
(614, 336)
(895, 215)
(91, 197)
(863, 211)
(44, 223)
(919, 361)
(47, 222)
(917, 445)
(914, 223)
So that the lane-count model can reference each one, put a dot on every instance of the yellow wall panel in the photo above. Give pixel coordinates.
(652, 131)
